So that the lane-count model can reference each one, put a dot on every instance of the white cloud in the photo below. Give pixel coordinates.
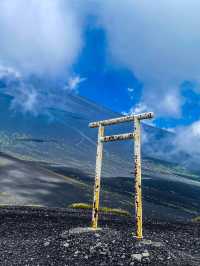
(140, 108)
(124, 113)
(169, 129)
(35, 96)
(165, 102)
(195, 129)
(26, 100)
(39, 37)
(188, 138)
(40, 41)
(24, 93)
(9, 72)
(74, 82)
(159, 41)
(130, 90)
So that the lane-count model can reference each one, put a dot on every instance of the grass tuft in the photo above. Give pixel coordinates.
(85, 206)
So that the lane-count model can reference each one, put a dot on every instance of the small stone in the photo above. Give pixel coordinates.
(145, 254)
(46, 244)
(66, 245)
(157, 244)
(146, 242)
(103, 252)
(97, 235)
(137, 257)
(80, 230)
(98, 245)
(86, 257)
(143, 242)
(76, 253)
(92, 249)
(146, 259)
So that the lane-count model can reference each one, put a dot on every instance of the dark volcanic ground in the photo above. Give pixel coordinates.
(41, 236)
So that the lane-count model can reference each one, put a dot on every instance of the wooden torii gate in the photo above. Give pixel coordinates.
(137, 158)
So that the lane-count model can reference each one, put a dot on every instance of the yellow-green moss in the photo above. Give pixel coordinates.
(103, 209)
(196, 219)
(3, 194)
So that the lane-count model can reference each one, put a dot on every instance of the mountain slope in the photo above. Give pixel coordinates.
(62, 136)
(60, 140)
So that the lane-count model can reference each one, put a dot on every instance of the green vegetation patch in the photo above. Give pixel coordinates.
(196, 219)
(85, 206)
(3, 194)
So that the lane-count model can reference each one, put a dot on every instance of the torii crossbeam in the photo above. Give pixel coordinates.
(137, 158)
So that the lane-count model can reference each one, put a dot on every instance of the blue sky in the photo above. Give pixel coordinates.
(105, 83)
(117, 88)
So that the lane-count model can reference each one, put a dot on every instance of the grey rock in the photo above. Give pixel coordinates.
(137, 257)
(145, 253)
(66, 245)
(157, 244)
(80, 230)
(46, 244)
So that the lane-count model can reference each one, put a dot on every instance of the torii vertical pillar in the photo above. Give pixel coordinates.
(138, 187)
(95, 209)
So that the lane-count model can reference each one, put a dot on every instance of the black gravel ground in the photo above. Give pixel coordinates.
(41, 236)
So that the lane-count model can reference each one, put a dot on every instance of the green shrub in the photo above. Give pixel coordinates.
(102, 209)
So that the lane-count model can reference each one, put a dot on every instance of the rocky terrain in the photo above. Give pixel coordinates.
(42, 236)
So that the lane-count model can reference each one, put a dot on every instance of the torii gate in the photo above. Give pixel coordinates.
(137, 158)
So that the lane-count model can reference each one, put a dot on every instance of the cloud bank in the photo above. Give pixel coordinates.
(160, 42)
(188, 139)
(40, 37)
(40, 42)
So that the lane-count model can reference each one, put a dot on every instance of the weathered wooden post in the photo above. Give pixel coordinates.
(138, 189)
(137, 159)
(97, 184)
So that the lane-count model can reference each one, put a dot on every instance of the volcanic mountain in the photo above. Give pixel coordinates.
(48, 158)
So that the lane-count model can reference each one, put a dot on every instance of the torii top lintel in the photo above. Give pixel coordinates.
(122, 119)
